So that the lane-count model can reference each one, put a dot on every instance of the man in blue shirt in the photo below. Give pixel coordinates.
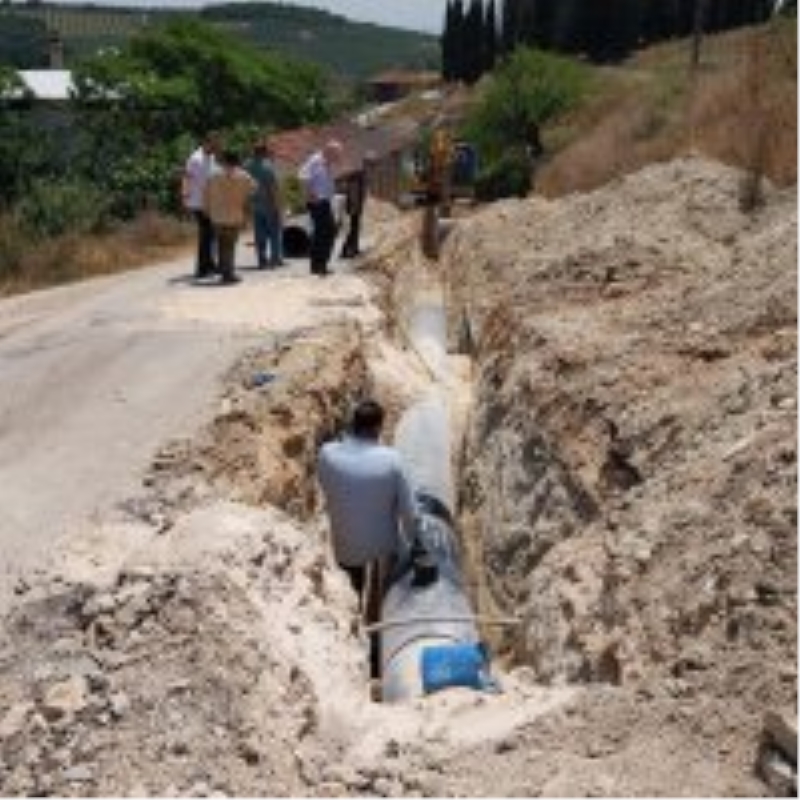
(267, 211)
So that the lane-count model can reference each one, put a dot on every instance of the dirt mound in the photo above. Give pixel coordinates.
(195, 666)
(631, 487)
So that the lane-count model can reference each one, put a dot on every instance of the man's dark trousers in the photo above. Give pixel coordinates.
(206, 264)
(351, 248)
(323, 236)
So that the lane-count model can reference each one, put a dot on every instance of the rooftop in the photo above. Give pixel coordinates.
(48, 84)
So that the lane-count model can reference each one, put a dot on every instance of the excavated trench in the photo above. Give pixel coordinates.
(282, 402)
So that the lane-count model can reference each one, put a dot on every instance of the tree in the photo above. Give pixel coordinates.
(447, 43)
(23, 41)
(458, 41)
(490, 37)
(509, 26)
(188, 75)
(473, 42)
(528, 90)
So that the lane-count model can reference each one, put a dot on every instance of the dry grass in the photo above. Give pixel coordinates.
(740, 109)
(25, 266)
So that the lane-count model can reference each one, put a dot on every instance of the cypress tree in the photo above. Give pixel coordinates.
(473, 42)
(446, 43)
(509, 26)
(490, 37)
(457, 42)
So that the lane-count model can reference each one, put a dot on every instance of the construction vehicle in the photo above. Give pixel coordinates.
(444, 170)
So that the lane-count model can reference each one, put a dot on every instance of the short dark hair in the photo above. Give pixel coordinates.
(367, 419)
(230, 158)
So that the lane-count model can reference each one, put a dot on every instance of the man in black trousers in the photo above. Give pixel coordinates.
(317, 177)
(356, 194)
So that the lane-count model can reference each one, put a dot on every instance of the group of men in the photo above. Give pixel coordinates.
(222, 193)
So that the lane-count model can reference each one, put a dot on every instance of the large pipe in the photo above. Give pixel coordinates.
(426, 608)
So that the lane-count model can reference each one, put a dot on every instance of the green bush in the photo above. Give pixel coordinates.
(527, 91)
(70, 206)
(508, 176)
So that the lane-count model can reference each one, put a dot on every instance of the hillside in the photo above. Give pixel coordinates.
(739, 107)
(349, 49)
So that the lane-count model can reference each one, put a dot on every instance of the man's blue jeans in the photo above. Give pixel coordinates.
(268, 233)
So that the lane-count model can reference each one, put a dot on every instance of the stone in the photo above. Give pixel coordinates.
(778, 774)
(782, 730)
(66, 697)
(80, 773)
(14, 720)
(120, 704)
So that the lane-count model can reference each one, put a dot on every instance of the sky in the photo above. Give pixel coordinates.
(418, 15)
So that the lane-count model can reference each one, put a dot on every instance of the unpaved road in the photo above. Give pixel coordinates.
(96, 376)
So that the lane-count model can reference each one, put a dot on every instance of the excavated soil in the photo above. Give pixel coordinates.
(627, 491)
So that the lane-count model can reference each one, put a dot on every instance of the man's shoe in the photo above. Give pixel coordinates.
(230, 279)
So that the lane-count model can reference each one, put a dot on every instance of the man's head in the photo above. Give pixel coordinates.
(332, 152)
(367, 420)
(211, 142)
(262, 149)
(230, 159)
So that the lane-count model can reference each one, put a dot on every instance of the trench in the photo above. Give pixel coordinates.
(429, 638)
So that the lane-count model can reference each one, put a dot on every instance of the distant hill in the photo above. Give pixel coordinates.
(351, 50)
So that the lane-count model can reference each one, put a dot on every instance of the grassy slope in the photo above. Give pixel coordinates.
(740, 108)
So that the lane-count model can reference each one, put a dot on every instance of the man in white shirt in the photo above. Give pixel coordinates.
(200, 165)
(317, 177)
(369, 496)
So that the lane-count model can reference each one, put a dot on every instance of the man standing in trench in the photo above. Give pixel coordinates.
(370, 503)
(317, 177)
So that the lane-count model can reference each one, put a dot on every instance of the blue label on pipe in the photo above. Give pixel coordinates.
(449, 665)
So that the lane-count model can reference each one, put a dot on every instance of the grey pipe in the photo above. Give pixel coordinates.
(417, 615)
(426, 604)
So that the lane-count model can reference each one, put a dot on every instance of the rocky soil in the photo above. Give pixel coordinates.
(628, 492)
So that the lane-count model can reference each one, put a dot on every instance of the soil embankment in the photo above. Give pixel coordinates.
(627, 490)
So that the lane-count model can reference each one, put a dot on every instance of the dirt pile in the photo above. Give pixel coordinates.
(195, 665)
(631, 488)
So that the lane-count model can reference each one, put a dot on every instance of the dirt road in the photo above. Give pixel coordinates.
(97, 375)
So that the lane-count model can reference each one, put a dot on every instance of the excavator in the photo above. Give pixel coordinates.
(444, 170)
